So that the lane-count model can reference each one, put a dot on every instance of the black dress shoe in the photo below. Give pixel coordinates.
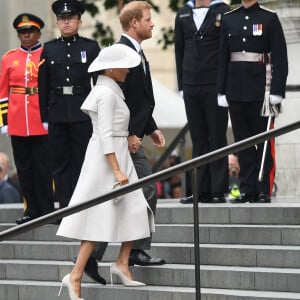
(141, 258)
(243, 198)
(91, 270)
(263, 198)
(24, 219)
(186, 200)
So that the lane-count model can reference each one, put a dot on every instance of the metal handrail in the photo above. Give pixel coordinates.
(188, 165)
(158, 165)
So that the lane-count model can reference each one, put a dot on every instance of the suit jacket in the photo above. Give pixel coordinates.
(196, 51)
(138, 92)
(8, 194)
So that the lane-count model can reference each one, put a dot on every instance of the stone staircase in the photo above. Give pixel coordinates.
(248, 251)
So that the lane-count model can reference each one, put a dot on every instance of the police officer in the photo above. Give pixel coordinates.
(20, 116)
(64, 84)
(197, 34)
(253, 68)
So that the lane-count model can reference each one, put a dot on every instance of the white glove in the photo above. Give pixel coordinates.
(4, 130)
(222, 101)
(275, 99)
(45, 125)
(181, 94)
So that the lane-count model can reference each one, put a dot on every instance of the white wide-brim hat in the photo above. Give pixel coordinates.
(115, 56)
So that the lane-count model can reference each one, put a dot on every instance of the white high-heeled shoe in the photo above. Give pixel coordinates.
(125, 281)
(66, 281)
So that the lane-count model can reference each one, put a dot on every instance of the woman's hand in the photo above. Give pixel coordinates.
(121, 177)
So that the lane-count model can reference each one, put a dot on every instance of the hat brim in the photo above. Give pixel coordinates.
(19, 29)
(115, 56)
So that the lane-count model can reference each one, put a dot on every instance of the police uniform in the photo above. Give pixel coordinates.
(19, 105)
(196, 52)
(251, 40)
(64, 84)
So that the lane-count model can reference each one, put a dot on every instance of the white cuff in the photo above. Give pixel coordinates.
(222, 101)
(275, 99)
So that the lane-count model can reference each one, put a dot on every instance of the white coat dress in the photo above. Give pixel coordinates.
(128, 219)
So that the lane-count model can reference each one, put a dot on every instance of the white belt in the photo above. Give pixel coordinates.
(250, 57)
(120, 133)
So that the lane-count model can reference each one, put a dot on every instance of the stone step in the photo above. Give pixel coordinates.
(175, 253)
(184, 233)
(48, 290)
(219, 277)
(170, 211)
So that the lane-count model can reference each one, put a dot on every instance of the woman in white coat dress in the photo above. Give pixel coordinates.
(107, 162)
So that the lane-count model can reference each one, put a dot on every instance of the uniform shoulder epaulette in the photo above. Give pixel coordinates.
(184, 11)
(232, 11)
(266, 9)
(10, 51)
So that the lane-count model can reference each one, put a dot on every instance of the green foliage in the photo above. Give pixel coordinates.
(174, 5)
(167, 38)
(105, 34)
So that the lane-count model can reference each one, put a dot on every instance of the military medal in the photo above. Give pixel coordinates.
(83, 56)
(257, 29)
(218, 20)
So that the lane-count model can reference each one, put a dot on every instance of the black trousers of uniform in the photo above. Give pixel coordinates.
(246, 122)
(208, 127)
(143, 169)
(31, 156)
(68, 143)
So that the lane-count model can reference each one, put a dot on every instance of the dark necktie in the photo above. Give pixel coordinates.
(143, 59)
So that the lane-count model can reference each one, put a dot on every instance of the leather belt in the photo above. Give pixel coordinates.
(69, 90)
(24, 90)
(251, 57)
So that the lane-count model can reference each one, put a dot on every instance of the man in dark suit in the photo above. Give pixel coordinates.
(8, 193)
(253, 68)
(197, 36)
(64, 83)
(139, 97)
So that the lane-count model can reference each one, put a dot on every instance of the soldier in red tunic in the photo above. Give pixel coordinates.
(20, 117)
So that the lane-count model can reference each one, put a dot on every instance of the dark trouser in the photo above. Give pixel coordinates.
(208, 127)
(31, 156)
(246, 122)
(143, 169)
(68, 143)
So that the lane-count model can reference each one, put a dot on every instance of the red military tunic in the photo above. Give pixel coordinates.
(19, 68)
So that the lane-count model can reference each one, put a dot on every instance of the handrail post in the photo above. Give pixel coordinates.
(182, 158)
(196, 233)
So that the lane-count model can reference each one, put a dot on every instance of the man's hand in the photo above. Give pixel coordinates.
(134, 143)
(158, 138)
(45, 125)
(275, 99)
(4, 130)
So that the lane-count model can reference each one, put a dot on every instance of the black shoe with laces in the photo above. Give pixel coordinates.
(91, 270)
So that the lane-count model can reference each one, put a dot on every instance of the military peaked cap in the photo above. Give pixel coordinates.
(68, 7)
(27, 21)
